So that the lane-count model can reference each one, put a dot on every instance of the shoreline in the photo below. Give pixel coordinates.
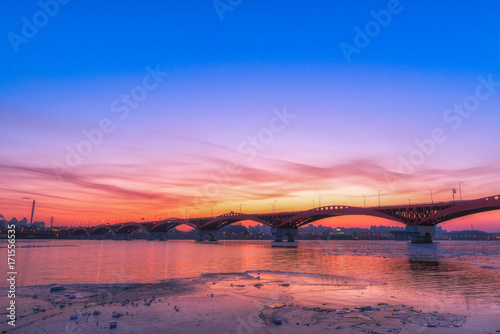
(250, 302)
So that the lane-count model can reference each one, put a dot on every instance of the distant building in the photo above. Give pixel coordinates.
(440, 230)
(22, 222)
(259, 229)
(234, 229)
(14, 221)
(38, 225)
(3, 222)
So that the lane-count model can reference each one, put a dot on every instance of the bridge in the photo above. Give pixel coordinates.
(420, 220)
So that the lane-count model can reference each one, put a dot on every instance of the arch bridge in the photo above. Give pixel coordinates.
(420, 220)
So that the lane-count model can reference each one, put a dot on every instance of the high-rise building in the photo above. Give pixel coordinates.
(14, 221)
(22, 222)
(3, 222)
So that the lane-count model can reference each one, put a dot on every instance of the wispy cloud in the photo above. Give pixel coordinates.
(138, 187)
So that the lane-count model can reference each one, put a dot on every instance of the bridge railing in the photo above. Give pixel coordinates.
(415, 204)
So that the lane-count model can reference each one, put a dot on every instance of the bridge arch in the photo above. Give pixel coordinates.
(129, 227)
(309, 216)
(101, 230)
(79, 231)
(230, 218)
(166, 225)
(462, 209)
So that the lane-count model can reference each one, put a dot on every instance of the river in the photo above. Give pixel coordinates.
(463, 275)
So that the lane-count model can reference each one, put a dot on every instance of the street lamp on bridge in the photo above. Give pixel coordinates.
(432, 201)
(460, 188)
(364, 200)
(313, 203)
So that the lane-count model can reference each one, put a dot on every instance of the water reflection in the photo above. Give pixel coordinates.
(451, 283)
(422, 252)
(436, 274)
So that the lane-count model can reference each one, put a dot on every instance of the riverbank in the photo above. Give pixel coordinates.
(252, 302)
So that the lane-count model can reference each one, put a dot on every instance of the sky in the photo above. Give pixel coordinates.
(125, 110)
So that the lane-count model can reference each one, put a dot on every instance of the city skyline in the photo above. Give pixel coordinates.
(105, 120)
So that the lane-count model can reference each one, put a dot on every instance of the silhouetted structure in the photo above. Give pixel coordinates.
(420, 220)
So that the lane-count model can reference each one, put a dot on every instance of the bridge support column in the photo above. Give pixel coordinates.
(420, 234)
(279, 233)
(201, 234)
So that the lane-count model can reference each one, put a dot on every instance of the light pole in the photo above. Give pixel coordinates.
(313, 203)
(460, 188)
(379, 197)
(409, 202)
(364, 200)
(432, 201)
(319, 201)
(272, 207)
(240, 207)
(275, 205)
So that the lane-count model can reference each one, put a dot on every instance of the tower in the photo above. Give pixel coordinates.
(32, 210)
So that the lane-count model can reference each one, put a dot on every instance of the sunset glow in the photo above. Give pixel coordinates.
(102, 122)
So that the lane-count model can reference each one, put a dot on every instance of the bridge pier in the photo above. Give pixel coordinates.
(201, 234)
(421, 234)
(279, 233)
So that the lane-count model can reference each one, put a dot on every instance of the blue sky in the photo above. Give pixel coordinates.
(95, 39)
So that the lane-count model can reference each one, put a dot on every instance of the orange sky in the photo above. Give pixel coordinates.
(94, 195)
